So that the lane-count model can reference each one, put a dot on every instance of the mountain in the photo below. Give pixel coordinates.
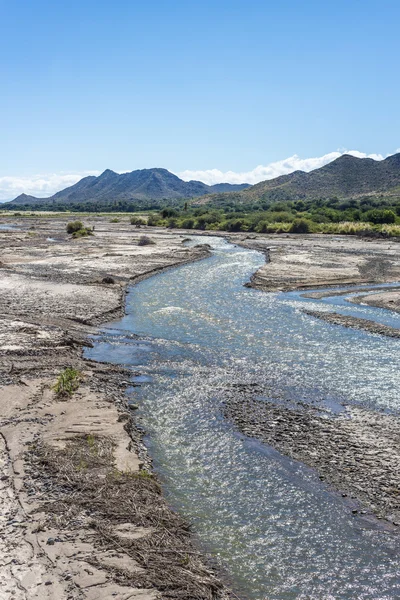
(140, 185)
(345, 177)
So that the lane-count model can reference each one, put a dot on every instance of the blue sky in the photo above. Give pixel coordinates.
(192, 86)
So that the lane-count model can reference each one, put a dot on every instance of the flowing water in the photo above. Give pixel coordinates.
(273, 526)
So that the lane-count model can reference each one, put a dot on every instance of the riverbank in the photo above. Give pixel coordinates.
(298, 262)
(82, 515)
(356, 452)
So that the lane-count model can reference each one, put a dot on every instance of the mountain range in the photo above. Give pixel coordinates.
(140, 185)
(345, 177)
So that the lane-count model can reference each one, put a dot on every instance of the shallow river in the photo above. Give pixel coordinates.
(273, 526)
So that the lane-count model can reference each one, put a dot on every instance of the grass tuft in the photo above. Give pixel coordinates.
(67, 382)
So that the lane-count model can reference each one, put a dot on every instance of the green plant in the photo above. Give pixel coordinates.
(301, 226)
(74, 226)
(85, 231)
(115, 220)
(67, 382)
(138, 221)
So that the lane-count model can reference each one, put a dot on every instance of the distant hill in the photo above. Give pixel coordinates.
(345, 177)
(140, 185)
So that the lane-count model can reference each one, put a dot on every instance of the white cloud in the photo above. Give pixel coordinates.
(274, 169)
(42, 186)
(45, 185)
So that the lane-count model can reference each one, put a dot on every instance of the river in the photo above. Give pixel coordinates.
(272, 525)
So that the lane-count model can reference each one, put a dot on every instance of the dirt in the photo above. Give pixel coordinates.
(389, 299)
(309, 261)
(82, 515)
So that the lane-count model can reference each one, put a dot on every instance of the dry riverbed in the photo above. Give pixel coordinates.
(82, 516)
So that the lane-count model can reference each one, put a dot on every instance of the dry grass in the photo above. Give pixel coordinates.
(84, 489)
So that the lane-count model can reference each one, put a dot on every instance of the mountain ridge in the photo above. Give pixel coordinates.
(345, 177)
(139, 185)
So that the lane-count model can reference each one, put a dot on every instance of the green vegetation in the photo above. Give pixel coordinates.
(138, 221)
(74, 226)
(368, 216)
(67, 382)
(77, 229)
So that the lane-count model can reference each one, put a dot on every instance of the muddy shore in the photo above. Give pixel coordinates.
(82, 516)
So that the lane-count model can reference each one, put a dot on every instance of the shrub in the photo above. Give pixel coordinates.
(187, 223)
(82, 232)
(74, 226)
(380, 216)
(138, 221)
(115, 220)
(68, 382)
(301, 226)
(172, 223)
(153, 220)
(144, 240)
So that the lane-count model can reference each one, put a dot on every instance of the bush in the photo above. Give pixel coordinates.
(74, 226)
(144, 240)
(378, 216)
(301, 226)
(115, 220)
(82, 232)
(138, 221)
(172, 223)
(153, 220)
(187, 223)
(67, 382)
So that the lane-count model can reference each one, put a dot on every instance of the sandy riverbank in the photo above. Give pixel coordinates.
(82, 517)
(310, 261)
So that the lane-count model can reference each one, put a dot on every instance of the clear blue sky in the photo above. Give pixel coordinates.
(194, 85)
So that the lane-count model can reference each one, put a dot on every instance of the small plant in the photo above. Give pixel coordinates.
(144, 240)
(74, 226)
(78, 229)
(144, 474)
(115, 220)
(92, 443)
(68, 382)
(85, 231)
